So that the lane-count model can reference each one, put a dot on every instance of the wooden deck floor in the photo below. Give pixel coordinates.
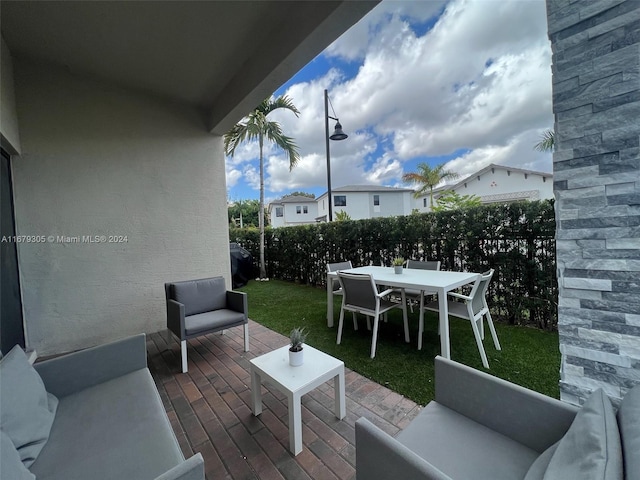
(210, 410)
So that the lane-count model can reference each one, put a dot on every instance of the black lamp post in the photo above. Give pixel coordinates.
(338, 134)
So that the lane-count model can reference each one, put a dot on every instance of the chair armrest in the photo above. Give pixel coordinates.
(76, 371)
(190, 469)
(237, 301)
(175, 318)
(381, 457)
(388, 291)
(459, 295)
(525, 416)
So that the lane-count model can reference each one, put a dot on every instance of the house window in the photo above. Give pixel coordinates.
(339, 200)
(278, 211)
(544, 179)
(298, 209)
(305, 209)
(508, 173)
(424, 202)
(376, 200)
(526, 176)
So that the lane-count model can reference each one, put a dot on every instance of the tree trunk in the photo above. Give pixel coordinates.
(263, 270)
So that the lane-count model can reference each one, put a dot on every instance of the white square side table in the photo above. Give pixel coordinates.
(294, 382)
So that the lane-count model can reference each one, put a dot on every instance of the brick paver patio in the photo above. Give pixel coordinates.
(210, 410)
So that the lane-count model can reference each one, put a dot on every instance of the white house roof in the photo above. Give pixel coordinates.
(295, 199)
(365, 188)
(223, 57)
(488, 168)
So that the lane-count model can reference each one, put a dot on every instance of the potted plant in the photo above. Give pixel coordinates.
(296, 351)
(398, 262)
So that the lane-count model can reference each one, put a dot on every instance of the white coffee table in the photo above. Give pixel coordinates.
(294, 382)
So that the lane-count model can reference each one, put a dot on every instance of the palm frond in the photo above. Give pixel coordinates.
(547, 143)
(273, 132)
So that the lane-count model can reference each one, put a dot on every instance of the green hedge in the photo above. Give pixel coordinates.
(516, 239)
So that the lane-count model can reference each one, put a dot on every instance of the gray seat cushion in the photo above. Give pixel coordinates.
(208, 321)
(199, 296)
(629, 425)
(464, 449)
(27, 410)
(117, 429)
(591, 447)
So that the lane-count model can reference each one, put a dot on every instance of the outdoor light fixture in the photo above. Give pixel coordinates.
(338, 134)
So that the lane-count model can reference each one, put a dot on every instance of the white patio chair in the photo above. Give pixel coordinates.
(474, 308)
(413, 296)
(334, 267)
(360, 295)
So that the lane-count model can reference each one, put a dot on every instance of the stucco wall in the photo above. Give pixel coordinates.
(100, 161)
(8, 116)
(596, 102)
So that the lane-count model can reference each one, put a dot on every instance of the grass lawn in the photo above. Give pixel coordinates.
(529, 357)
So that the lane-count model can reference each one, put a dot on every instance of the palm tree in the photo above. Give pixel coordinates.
(255, 126)
(548, 142)
(427, 178)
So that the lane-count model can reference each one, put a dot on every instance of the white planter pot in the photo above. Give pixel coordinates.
(296, 358)
(397, 269)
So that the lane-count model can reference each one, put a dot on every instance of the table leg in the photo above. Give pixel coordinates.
(256, 393)
(421, 321)
(329, 301)
(295, 424)
(445, 349)
(338, 387)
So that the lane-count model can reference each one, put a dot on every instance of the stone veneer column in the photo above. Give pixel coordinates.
(596, 102)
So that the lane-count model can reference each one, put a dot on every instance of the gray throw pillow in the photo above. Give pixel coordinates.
(11, 467)
(629, 423)
(27, 409)
(539, 466)
(591, 447)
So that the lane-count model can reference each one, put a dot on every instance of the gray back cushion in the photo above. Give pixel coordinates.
(27, 409)
(199, 296)
(629, 424)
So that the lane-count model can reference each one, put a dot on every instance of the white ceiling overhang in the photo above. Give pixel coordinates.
(223, 57)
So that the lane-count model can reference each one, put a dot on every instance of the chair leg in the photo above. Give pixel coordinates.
(496, 343)
(368, 322)
(246, 337)
(374, 339)
(476, 334)
(183, 351)
(355, 320)
(340, 322)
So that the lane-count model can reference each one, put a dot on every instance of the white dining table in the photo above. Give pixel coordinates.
(438, 281)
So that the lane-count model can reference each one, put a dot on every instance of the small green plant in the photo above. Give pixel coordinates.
(297, 338)
(398, 262)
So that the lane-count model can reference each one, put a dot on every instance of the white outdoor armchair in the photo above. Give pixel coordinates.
(360, 295)
(473, 307)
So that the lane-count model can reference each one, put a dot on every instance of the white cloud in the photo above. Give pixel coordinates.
(479, 81)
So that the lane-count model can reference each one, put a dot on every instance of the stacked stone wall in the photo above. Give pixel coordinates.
(596, 103)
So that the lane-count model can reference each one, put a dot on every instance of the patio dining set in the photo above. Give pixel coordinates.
(375, 290)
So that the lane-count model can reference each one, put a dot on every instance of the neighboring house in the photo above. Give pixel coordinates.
(294, 210)
(366, 201)
(496, 184)
(113, 171)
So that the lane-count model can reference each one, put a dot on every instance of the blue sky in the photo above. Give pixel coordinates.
(464, 82)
